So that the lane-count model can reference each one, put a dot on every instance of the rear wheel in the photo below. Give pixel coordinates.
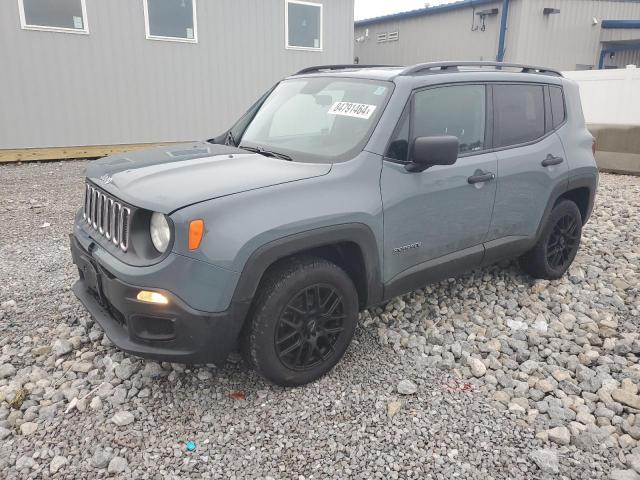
(558, 245)
(302, 321)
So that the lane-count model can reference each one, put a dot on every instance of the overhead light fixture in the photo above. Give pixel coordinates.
(488, 12)
(549, 11)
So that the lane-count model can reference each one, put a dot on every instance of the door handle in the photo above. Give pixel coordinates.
(481, 177)
(551, 160)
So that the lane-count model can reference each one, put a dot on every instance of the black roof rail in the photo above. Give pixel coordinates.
(319, 68)
(453, 66)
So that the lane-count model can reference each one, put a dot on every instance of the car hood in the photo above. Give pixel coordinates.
(165, 179)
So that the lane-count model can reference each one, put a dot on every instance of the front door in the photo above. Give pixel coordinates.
(442, 214)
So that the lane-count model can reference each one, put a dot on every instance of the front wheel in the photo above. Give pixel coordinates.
(558, 244)
(302, 321)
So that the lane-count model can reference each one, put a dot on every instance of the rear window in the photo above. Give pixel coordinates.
(518, 113)
(557, 106)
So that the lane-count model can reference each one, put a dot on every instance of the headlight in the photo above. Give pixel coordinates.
(160, 232)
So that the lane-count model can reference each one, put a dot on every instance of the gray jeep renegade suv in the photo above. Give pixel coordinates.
(342, 187)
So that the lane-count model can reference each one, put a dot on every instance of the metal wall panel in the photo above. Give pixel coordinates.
(114, 86)
(561, 41)
(440, 36)
(624, 58)
(568, 38)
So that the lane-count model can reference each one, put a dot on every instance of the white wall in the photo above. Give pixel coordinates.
(609, 96)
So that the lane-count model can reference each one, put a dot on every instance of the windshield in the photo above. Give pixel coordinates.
(321, 119)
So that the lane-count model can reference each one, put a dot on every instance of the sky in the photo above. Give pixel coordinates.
(375, 8)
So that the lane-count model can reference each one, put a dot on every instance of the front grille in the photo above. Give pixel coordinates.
(107, 216)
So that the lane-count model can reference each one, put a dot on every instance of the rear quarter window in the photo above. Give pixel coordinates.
(518, 112)
(558, 111)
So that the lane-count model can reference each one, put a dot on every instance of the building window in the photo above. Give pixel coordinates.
(54, 15)
(171, 20)
(303, 25)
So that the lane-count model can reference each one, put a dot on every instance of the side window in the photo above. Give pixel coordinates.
(557, 105)
(518, 112)
(456, 110)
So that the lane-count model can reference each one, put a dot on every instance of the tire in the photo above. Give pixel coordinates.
(302, 321)
(558, 244)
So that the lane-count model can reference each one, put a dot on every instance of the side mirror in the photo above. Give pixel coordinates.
(429, 151)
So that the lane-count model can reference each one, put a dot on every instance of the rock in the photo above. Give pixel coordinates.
(407, 387)
(152, 370)
(25, 462)
(393, 407)
(560, 435)
(626, 398)
(4, 433)
(586, 440)
(569, 387)
(117, 465)
(7, 370)
(633, 461)
(478, 368)
(57, 463)
(589, 357)
(123, 418)
(561, 375)
(124, 370)
(545, 385)
(27, 428)
(546, 460)
(100, 459)
(502, 397)
(96, 403)
(82, 367)
(61, 347)
(617, 474)
(626, 441)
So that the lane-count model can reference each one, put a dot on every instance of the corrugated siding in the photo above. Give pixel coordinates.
(442, 36)
(624, 58)
(566, 39)
(116, 87)
(559, 41)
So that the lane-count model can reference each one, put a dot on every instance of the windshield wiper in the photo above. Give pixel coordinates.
(267, 153)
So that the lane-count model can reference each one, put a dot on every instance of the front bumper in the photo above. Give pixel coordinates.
(173, 332)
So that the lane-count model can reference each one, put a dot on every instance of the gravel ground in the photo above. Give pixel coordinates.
(492, 375)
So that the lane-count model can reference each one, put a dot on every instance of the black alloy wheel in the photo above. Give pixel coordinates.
(301, 321)
(309, 327)
(557, 244)
(563, 242)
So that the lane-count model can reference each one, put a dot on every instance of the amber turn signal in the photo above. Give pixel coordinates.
(196, 230)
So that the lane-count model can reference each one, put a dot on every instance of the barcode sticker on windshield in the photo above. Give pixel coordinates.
(358, 110)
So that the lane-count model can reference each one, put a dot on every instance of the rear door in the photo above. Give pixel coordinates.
(531, 161)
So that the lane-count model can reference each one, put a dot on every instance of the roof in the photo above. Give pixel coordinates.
(425, 11)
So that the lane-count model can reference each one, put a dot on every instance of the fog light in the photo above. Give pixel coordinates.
(152, 297)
